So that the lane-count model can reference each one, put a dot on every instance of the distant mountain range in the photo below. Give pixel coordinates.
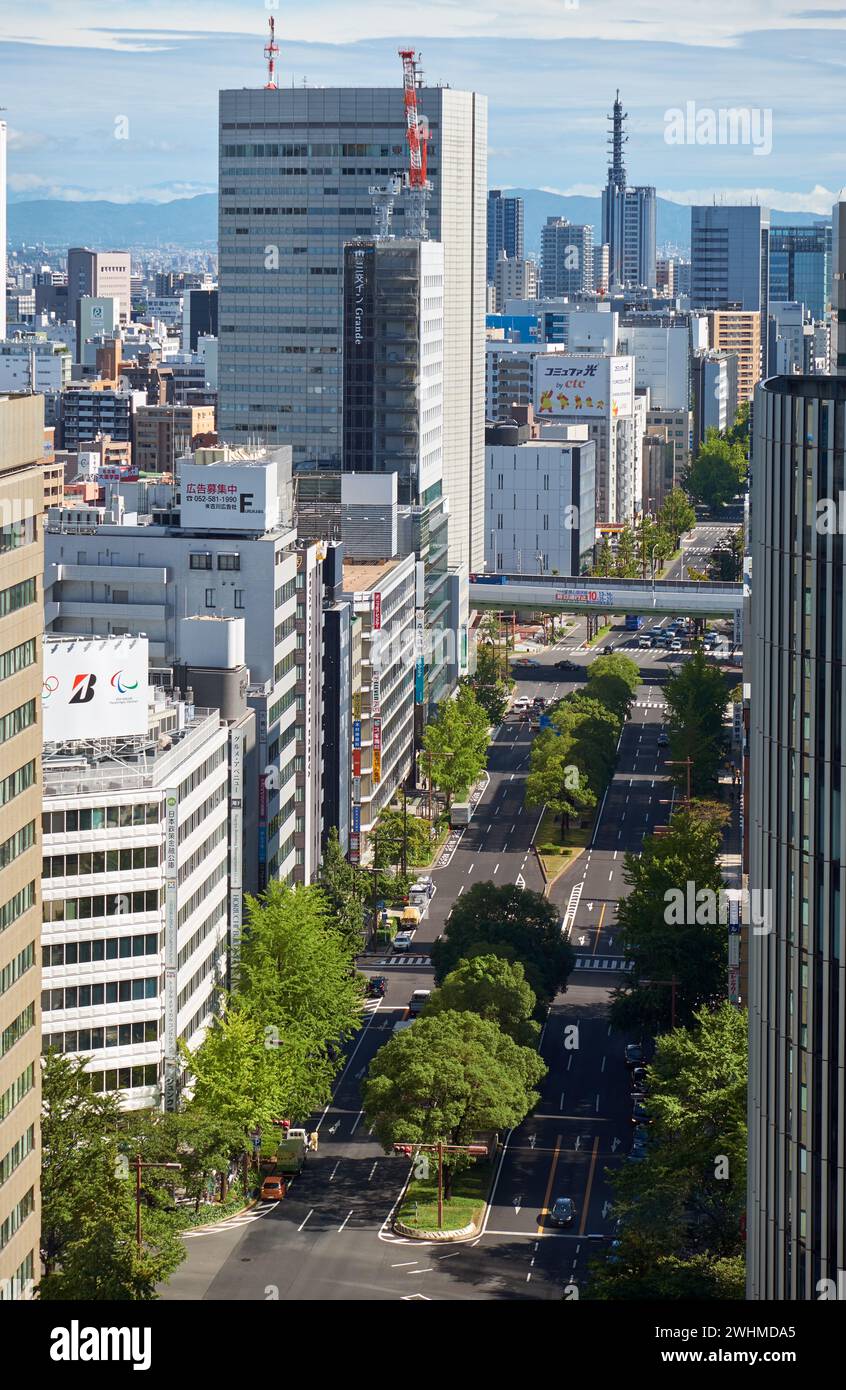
(192, 222)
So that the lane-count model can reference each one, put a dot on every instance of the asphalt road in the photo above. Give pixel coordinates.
(330, 1239)
(696, 547)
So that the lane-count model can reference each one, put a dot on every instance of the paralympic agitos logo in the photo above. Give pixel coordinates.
(83, 688)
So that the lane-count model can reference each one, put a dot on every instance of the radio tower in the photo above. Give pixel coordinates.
(271, 48)
(616, 140)
(417, 133)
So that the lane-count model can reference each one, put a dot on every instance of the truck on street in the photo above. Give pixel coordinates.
(460, 813)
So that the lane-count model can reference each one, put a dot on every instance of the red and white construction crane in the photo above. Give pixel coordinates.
(417, 134)
(271, 49)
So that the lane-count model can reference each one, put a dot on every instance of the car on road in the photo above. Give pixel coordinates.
(526, 661)
(566, 666)
(377, 987)
(418, 1002)
(640, 1114)
(426, 883)
(562, 1212)
(634, 1055)
(675, 645)
(638, 1081)
(663, 740)
(403, 941)
(539, 702)
(402, 1024)
(637, 1153)
(645, 641)
(273, 1189)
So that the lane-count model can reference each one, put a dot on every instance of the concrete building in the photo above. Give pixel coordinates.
(659, 470)
(2, 230)
(601, 268)
(598, 390)
(505, 230)
(98, 408)
(165, 433)
(786, 338)
(800, 267)
(514, 279)
(796, 1201)
(730, 268)
(199, 317)
(838, 290)
(318, 151)
(628, 216)
(33, 364)
(540, 499)
(660, 346)
(101, 274)
(713, 394)
(136, 892)
(585, 326)
(21, 618)
(739, 332)
(510, 376)
(382, 594)
(675, 427)
(566, 258)
(218, 543)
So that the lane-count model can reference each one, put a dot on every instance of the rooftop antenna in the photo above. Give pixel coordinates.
(417, 134)
(271, 48)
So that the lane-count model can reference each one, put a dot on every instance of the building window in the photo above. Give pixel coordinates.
(209, 598)
(239, 598)
(200, 562)
(229, 562)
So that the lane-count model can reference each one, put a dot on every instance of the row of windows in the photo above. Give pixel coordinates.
(202, 852)
(197, 817)
(103, 905)
(17, 596)
(22, 962)
(203, 561)
(100, 948)
(284, 594)
(101, 861)
(17, 658)
(206, 1011)
(17, 1216)
(211, 601)
(16, 844)
(212, 922)
(207, 968)
(124, 1078)
(16, 1288)
(101, 818)
(200, 773)
(16, 1029)
(20, 1087)
(17, 782)
(17, 720)
(91, 1039)
(202, 892)
(19, 533)
(281, 705)
(90, 996)
(17, 906)
(16, 1155)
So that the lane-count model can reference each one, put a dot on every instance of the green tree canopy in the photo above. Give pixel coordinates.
(665, 926)
(510, 922)
(493, 989)
(457, 741)
(450, 1077)
(696, 699)
(392, 829)
(487, 683)
(726, 561)
(676, 515)
(718, 472)
(340, 884)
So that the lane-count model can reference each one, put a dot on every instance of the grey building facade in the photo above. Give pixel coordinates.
(566, 258)
(505, 229)
(296, 167)
(796, 652)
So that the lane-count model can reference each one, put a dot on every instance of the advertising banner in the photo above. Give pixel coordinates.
(377, 612)
(375, 692)
(377, 733)
(356, 762)
(584, 388)
(95, 688)
(584, 596)
(419, 681)
(356, 705)
(356, 810)
(377, 766)
(229, 497)
(356, 733)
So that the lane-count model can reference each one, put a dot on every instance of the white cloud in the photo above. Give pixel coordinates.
(818, 200)
(33, 186)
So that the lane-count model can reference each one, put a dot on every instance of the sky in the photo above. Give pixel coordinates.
(118, 98)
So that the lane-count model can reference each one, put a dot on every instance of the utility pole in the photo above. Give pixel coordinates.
(673, 983)
(404, 833)
(440, 1148)
(686, 763)
(138, 1165)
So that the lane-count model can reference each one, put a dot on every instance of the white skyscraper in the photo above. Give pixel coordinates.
(296, 167)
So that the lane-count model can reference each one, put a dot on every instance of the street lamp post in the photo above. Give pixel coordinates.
(476, 1150)
(686, 763)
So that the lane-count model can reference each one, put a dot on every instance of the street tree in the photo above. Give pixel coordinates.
(697, 698)
(488, 685)
(493, 989)
(510, 922)
(626, 562)
(449, 1078)
(340, 883)
(457, 742)
(671, 922)
(555, 779)
(718, 472)
(676, 515)
(396, 832)
(604, 563)
(88, 1245)
(726, 560)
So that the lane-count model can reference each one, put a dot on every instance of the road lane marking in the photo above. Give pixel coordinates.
(472, 867)
(604, 1060)
(404, 1265)
(373, 1170)
(461, 889)
(496, 868)
(599, 928)
(334, 1170)
(311, 1213)
(553, 1166)
(356, 1120)
(591, 1172)
(349, 1214)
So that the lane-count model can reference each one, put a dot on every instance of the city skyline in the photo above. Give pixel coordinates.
(142, 99)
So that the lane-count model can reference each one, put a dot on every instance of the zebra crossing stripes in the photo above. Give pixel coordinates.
(405, 960)
(603, 963)
(244, 1218)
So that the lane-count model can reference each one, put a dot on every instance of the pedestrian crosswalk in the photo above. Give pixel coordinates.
(244, 1218)
(650, 704)
(405, 960)
(603, 963)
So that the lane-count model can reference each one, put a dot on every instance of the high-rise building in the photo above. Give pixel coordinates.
(505, 229)
(739, 331)
(660, 345)
(838, 290)
(566, 258)
(101, 275)
(796, 1201)
(165, 433)
(319, 151)
(514, 279)
(714, 392)
(800, 266)
(629, 215)
(730, 262)
(2, 230)
(539, 501)
(21, 623)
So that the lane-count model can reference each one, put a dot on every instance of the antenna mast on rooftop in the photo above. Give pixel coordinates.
(271, 48)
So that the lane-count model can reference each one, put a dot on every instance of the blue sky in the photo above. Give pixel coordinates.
(549, 67)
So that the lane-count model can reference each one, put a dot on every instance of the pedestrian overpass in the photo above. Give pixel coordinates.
(683, 598)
